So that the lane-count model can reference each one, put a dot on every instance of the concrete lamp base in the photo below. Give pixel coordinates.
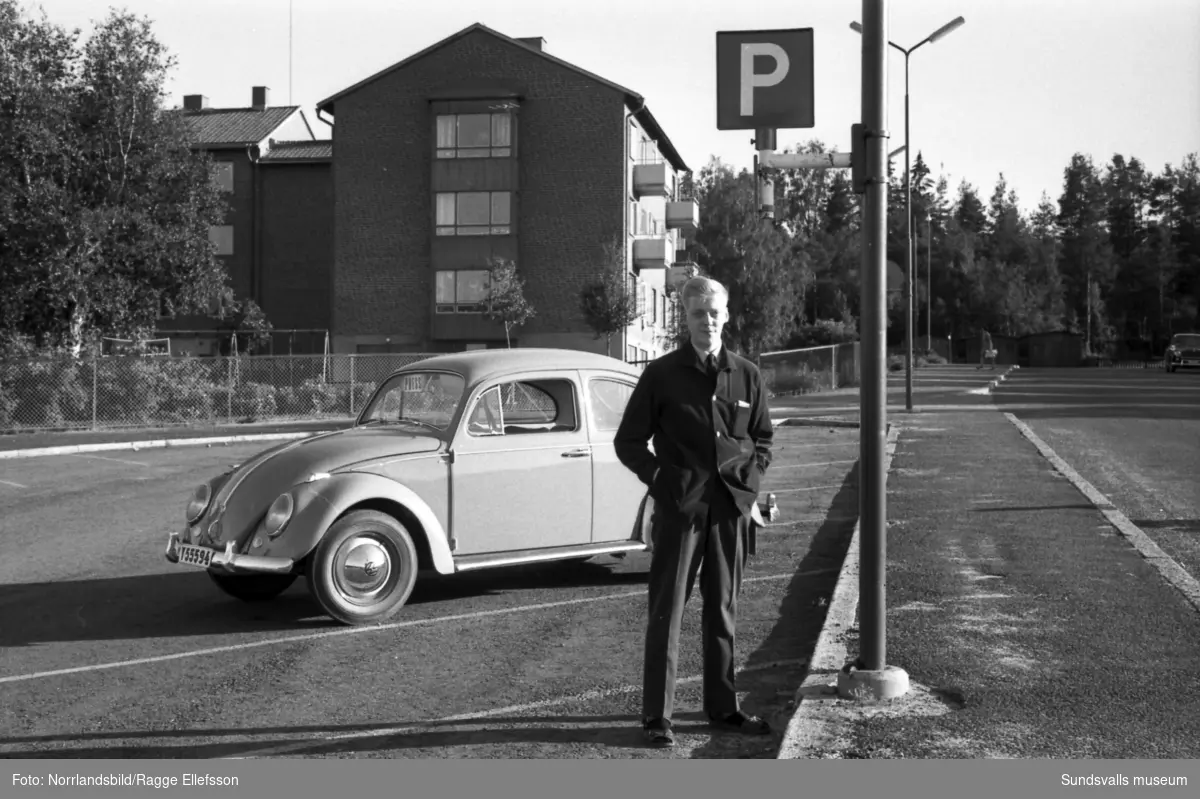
(890, 682)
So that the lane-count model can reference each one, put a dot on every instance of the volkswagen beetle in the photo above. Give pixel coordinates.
(464, 461)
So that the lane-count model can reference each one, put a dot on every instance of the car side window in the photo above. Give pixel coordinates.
(521, 407)
(487, 417)
(608, 401)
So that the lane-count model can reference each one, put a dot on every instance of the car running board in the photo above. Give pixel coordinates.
(519, 556)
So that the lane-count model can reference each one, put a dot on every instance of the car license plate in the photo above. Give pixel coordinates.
(195, 556)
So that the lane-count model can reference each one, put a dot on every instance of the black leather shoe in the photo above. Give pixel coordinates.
(658, 732)
(740, 722)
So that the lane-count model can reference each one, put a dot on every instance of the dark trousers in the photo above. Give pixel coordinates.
(713, 545)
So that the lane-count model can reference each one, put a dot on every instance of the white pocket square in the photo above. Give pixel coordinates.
(743, 404)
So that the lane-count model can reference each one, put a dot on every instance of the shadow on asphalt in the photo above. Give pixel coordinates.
(616, 731)
(1177, 525)
(801, 616)
(619, 732)
(188, 604)
(1181, 411)
(1009, 508)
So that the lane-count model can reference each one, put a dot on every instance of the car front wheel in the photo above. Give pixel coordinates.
(364, 569)
(253, 587)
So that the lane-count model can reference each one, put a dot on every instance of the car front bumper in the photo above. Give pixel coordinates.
(229, 561)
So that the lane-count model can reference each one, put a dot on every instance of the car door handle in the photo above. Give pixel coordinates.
(577, 453)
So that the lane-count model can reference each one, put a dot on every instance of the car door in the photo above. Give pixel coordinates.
(521, 477)
(616, 491)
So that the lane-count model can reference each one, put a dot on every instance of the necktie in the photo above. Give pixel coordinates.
(710, 365)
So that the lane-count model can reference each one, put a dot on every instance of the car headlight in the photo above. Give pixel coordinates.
(279, 514)
(198, 504)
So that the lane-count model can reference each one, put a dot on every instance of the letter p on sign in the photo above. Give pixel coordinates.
(765, 79)
(751, 79)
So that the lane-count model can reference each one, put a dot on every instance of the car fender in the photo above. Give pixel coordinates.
(338, 493)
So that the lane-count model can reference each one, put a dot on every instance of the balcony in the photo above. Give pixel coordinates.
(683, 215)
(653, 253)
(651, 180)
(682, 270)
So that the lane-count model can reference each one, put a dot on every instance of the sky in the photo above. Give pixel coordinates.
(1018, 89)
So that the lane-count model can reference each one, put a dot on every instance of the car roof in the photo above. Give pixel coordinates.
(476, 365)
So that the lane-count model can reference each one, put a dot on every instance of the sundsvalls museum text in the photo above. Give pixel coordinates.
(1120, 780)
(111, 780)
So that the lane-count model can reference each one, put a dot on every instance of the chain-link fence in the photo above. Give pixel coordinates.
(109, 392)
(812, 369)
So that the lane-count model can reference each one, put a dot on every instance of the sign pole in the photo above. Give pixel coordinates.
(764, 142)
(870, 677)
(765, 82)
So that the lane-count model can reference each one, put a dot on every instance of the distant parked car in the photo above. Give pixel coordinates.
(1184, 350)
(458, 462)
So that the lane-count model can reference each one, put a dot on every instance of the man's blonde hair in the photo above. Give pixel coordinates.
(702, 287)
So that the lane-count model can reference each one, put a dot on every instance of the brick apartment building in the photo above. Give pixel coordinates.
(277, 237)
(484, 145)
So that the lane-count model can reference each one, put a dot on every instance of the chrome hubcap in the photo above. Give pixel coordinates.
(364, 567)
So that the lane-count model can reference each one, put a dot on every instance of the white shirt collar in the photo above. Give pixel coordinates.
(716, 352)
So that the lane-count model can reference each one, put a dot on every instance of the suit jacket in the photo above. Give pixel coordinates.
(701, 429)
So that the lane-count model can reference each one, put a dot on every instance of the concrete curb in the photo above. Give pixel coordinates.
(830, 653)
(76, 449)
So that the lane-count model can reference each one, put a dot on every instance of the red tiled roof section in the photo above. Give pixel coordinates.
(299, 150)
(218, 126)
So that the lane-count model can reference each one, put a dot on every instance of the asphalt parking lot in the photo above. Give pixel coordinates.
(1134, 434)
(109, 651)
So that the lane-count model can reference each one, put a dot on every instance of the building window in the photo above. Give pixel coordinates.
(222, 175)
(474, 213)
(630, 353)
(654, 306)
(644, 223)
(461, 291)
(475, 135)
(663, 308)
(221, 237)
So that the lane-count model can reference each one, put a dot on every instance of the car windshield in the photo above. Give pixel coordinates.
(421, 399)
(1188, 341)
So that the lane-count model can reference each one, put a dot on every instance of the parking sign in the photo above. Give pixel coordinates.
(765, 79)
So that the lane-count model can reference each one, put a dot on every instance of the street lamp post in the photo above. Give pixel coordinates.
(928, 280)
(908, 250)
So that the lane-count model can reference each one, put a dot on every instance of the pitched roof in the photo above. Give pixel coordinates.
(236, 127)
(634, 101)
(293, 151)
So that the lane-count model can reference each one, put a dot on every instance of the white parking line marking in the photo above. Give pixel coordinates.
(822, 446)
(113, 460)
(807, 519)
(14, 485)
(808, 465)
(294, 639)
(1167, 566)
(586, 696)
(795, 490)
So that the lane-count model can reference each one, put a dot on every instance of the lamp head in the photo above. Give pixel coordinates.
(946, 29)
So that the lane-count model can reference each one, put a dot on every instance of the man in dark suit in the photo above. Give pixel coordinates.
(706, 411)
